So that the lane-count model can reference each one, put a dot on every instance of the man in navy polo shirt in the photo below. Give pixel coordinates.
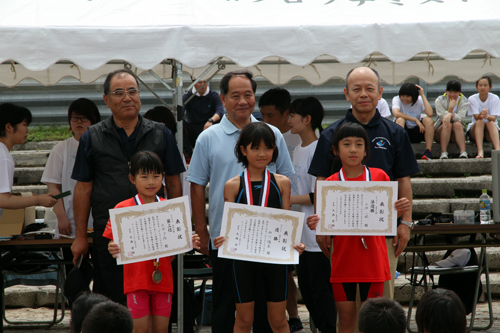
(390, 151)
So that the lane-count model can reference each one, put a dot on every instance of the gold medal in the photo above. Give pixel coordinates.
(157, 276)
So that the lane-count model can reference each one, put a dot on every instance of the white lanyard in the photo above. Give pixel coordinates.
(264, 192)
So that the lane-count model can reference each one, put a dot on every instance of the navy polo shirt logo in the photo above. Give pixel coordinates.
(381, 143)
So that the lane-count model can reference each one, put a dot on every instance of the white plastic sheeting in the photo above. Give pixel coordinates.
(315, 39)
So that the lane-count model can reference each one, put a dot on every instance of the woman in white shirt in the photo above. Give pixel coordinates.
(484, 107)
(57, 174)
(407, 110)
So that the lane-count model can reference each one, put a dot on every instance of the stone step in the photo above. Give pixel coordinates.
(453, 151)
(43, 145)
(28, 176)
(454, 167)
(35, 189)
(422, 207)
(30, 158)
(448, 187)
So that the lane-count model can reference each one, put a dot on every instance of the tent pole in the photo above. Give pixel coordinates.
(177, 99)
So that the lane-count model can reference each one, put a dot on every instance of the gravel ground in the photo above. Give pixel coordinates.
(46, 313)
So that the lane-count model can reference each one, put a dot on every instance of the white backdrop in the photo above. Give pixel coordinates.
(315, 39)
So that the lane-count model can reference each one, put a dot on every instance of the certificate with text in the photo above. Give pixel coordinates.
(153, 230)
(356, 208)
(260, 234)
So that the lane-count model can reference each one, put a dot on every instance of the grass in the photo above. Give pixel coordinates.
(48, 133)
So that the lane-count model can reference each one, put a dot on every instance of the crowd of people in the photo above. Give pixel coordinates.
(129, 159)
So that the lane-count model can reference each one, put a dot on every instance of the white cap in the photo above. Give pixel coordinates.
(458, 257)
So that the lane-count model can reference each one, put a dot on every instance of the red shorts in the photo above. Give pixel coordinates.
(140, 303)
(343, 292)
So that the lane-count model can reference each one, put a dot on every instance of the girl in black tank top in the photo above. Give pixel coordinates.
(255, 149)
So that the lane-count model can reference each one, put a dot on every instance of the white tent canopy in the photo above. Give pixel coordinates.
(278, 39)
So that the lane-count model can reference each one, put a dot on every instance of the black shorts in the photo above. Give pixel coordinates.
(343, 292)
(246, 273)
(414, 134)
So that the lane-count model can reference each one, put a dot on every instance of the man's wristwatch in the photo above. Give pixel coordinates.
(210, 120)
(408, 224)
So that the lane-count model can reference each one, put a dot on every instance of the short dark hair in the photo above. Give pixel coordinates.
(409, 89)
(309, 106)
(147, 162)
(81, 306)
(346, 130)
(224, 83)
(162, 114)
(373, 70)
(12, 114)
(108, 317)
(485, 77)
(84, 107)
(278, 97)
(254, 133)
(441, 311)
(454, 85)
(107, 81)
(381, 315)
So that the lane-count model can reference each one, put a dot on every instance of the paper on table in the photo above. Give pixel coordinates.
(152, 230)
(356, 208)
(260, 234)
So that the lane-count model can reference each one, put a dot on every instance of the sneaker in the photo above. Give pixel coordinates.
(444, 155)
(463, 154)
(427, 155)
(295, 325)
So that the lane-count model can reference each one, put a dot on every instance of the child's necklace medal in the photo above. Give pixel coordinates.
(157, 274)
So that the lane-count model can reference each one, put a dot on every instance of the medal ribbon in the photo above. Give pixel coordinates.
(264, 192)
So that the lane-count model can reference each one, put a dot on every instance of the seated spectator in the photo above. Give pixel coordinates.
(381, 315)
(451, 109)
(440, 311)
(484, 106)
(407, 109)
(81, 306)
(108, 317)
(202, 111)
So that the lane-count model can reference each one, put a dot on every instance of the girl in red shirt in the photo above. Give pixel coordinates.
(356, 260)
(147, 284)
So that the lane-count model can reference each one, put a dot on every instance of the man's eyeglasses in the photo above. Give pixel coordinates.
(120, 93)
(77, 119)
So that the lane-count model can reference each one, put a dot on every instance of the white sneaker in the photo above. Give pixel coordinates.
(444, 155)
(463, 154)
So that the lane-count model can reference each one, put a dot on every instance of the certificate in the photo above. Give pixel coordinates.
(261, 234)
(152, 230)
(356, 208)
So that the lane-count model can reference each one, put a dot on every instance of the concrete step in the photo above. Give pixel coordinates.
(448, 187)
(28, 176)
(453, 151)
(43, 145)
(35, 189)
(422, 207)
(454, 167)
(30, 158)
